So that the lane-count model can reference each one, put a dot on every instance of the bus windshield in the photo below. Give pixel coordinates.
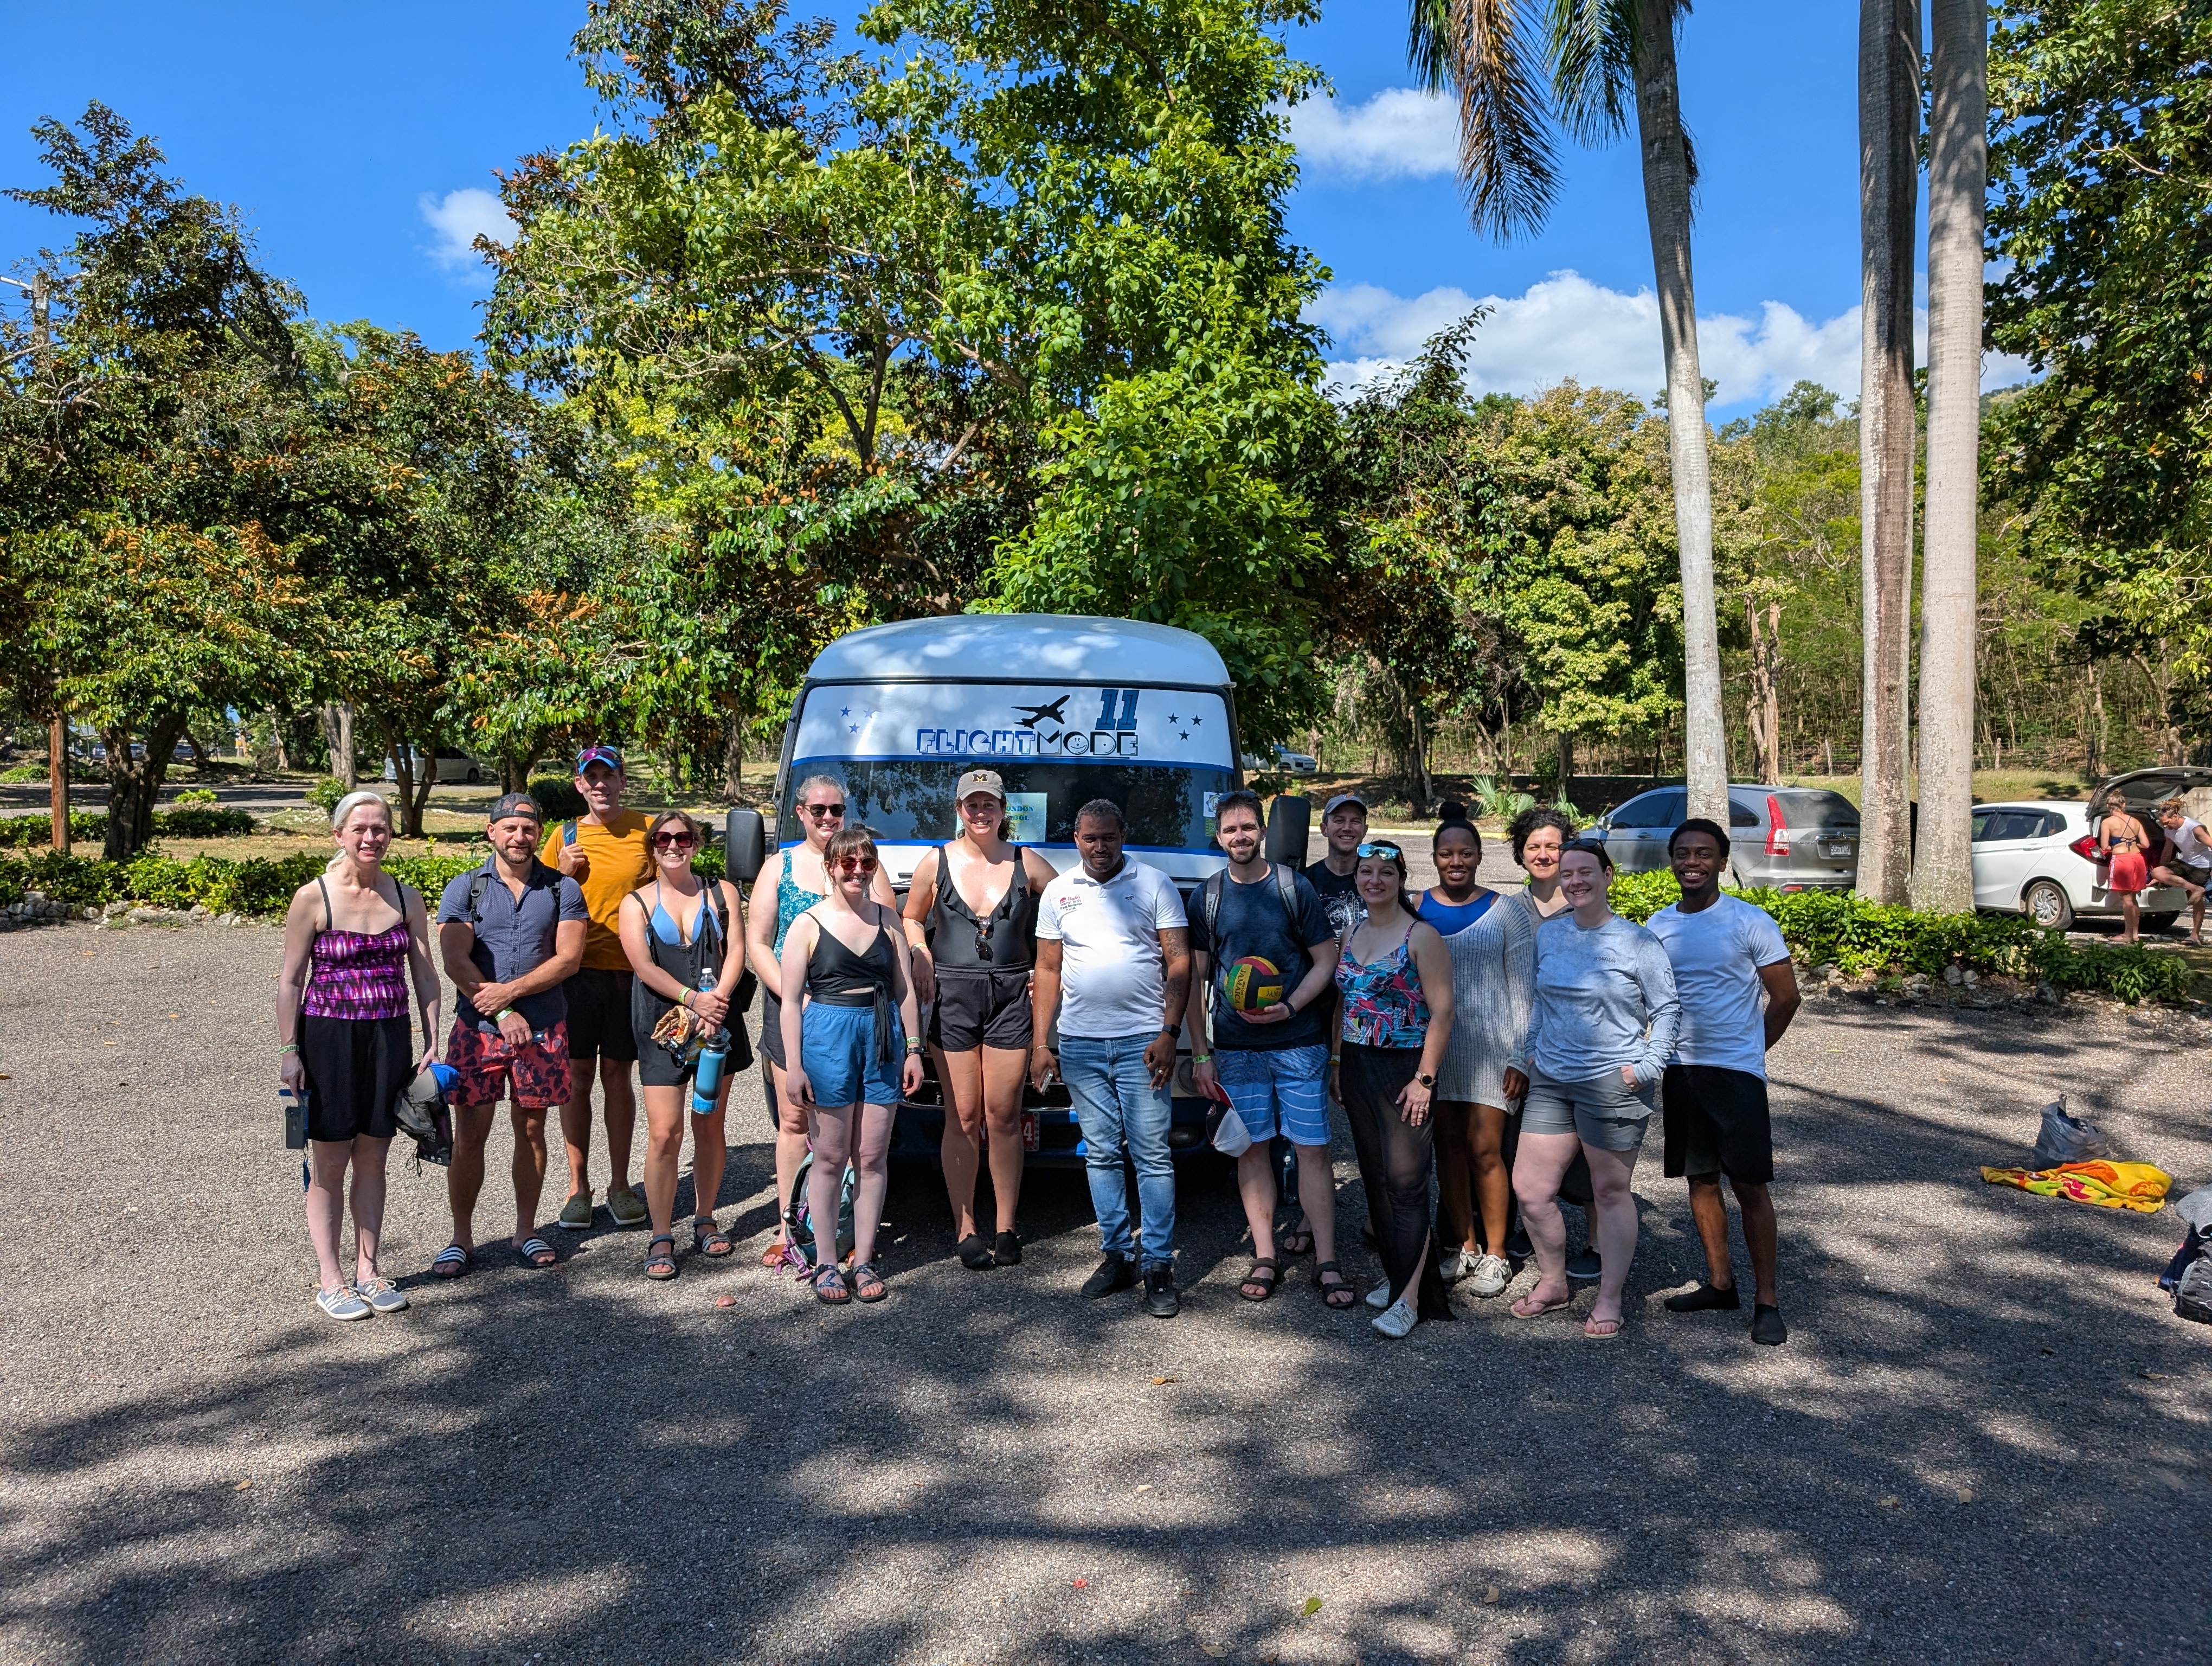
(909, 801)
(1164, 755)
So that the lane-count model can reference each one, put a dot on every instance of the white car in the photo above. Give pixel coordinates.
(2038, 857)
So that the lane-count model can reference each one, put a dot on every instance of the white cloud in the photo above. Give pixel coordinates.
(460, 217)
(1567, 327)
(1399, 134)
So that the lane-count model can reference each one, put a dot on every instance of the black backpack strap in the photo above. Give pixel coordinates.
(478, 883)
(324, 888)
(1210, 903)
(1286, 891)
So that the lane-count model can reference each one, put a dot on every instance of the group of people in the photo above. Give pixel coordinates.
(2169, 850)
(1495, 1048)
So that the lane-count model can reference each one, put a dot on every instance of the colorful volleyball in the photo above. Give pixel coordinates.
(1251, 983)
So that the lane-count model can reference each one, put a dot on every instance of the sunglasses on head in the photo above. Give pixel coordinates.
(673, 842)
(819, 811)
(856, 865)
(1382, 850)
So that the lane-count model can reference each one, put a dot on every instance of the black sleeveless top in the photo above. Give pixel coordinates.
(1004, 940)
(836, 976)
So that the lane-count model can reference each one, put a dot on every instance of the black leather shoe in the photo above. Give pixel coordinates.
(1162, 1299)
(1115, 1273)
(1766, 1327)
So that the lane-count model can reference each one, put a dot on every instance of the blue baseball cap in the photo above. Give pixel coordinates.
(606, 755)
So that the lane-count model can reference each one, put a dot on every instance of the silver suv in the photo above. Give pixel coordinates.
(1785, 838)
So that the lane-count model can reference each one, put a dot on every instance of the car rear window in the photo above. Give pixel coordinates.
(1820, 810)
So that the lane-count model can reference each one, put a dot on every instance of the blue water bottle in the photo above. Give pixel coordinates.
(708, 1079)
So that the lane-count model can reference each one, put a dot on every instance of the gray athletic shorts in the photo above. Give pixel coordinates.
(1605, 1112)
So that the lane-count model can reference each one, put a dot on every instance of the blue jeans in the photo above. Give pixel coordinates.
(1116, 1101)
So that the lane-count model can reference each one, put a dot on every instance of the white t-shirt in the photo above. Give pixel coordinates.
(1717, 954)
(2188, 842)
(1113, 975)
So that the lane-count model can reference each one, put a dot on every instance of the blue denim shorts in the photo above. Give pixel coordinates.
(837, 1048)
(1282, 1090)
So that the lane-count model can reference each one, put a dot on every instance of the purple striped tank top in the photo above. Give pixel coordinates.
(357, 975)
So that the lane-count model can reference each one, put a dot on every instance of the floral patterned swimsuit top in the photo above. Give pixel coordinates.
(1383, 1005)
(792, 900)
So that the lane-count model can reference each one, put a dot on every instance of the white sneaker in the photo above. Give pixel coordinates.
(1455, 1265)
(342, 1303)
(1398, 1319)
(1379, 1297)
(1489, 1275)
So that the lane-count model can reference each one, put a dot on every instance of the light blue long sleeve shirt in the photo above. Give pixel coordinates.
(1605, 998)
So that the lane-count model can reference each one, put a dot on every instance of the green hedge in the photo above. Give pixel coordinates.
(193, 821)
(1839, 928)
(260, 886)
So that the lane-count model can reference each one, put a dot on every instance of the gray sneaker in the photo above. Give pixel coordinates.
(343, 1303)
(381, 1297)
(1488, 1275)
(1379, 1297)
(626, 1207)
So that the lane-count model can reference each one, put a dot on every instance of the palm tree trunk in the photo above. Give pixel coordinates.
(1889, 187)
(1958, 182)
(1667, 206)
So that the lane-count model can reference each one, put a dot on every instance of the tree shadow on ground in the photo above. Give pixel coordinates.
(1980, 1420)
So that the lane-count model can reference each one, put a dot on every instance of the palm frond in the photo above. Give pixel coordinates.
(1594, 66)
(1428, 43)
(1507, 168)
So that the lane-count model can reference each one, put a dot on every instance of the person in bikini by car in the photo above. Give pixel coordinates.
(2126, 844)
(971, 924)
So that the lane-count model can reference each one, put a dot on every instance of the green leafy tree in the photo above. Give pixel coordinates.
(145, 544)
(2101, 213)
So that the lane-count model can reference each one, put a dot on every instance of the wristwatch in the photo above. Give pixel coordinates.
(1427, 1081)
(1172, 1031)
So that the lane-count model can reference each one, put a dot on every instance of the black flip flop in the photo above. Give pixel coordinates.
(453, 1261)
(530, 1249)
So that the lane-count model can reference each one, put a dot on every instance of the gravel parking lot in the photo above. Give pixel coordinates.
(1986, 1441)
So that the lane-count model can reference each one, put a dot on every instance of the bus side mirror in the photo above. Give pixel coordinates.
(745, 845)
(1287, 819)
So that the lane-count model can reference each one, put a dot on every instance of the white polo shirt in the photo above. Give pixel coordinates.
(1113, 975)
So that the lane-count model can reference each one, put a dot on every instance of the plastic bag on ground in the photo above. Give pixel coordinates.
(2066, 1138)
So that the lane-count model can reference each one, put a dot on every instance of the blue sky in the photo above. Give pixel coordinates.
(343, 132)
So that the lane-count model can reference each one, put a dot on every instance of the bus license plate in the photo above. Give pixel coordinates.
(1032, 1133)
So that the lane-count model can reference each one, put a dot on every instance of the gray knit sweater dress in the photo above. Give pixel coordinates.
(1493, 980)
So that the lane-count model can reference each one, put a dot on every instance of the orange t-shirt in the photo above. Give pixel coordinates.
(621, 862)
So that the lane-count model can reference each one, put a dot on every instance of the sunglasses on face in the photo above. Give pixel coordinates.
(856, 865)
(671, 841)
(822, 811)
(1381, 850)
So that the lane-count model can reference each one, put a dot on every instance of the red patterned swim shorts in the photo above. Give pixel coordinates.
(486, 1060)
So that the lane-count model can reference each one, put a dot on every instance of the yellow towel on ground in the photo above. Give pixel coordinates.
(2135, 1186)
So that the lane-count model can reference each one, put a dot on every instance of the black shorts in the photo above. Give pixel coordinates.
(990, 1010)
(771, 1029)
(600, 1016)
(1717, 1123)
(357, 1069)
